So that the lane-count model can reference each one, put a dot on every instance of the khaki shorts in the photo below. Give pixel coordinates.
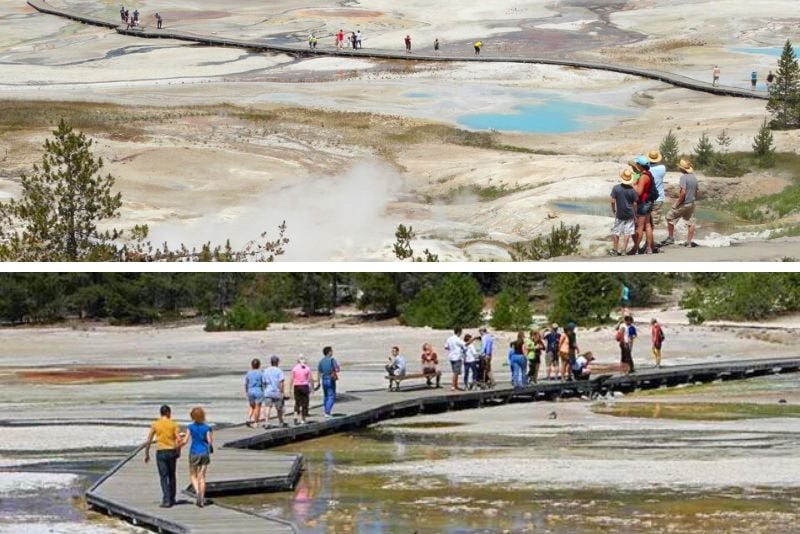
(685, 212)
(656, 213)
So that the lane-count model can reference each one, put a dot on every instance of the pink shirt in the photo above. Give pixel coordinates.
(301, 374)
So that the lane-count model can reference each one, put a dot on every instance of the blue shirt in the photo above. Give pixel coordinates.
(327, 366)
(273, 376)
(487, 344)
(658, 172)
(255, 381)
(199, 432)
(552, 341)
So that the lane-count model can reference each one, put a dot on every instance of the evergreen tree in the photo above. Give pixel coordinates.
(585, 298)
(62, 204)
(454, 301)
(512, 311)
(763, 146)
(670, 150)
(784, 94)
(703, 152)
(724, 142)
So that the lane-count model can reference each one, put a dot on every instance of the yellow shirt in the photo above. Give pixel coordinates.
(165, 430)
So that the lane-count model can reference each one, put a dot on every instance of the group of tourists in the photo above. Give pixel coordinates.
(170, 440)
(131, 20)
(350, 40)
(268, 387)
(715, 74)
(637, 201)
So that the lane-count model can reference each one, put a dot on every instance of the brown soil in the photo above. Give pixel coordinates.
(89, 375)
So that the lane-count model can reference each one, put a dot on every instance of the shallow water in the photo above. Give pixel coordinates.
(773, 51)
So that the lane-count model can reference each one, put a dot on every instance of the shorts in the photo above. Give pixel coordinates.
(552, 358)
(457, 366)
(644, 209)
(255, 397)
(656, 214)
(623, 227)
(199, 460)
(685, 212)
(274, 401)
(564, 356)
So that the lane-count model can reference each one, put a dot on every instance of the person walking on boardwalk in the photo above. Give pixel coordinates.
(684, 206)
(753, 80)
(715, 76)
(430, 361)
(167, 434)
(135, 16)
(534, 348)
(328, 370)
(158, 21)
(623, 206)
(274, 391)
(657, 340)
(407, 40)
(340, 39)
(122, 13)
(478, 47)
(470, 361)
(626, 333)
(455, 354)
(359, 38)
(202, 445)
(552, 339)
(312, 42)
(254, 391)
(770, 80)
(436, 46)
(301, 388)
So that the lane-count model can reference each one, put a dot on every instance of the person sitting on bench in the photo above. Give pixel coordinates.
(580, 369)
(429, 362)
(397, 364)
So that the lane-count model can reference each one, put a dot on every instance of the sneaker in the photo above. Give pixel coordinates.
(614, 252)
(667, 241)
(632, 252)
(198, 501)
(691, 244)
(327, 416)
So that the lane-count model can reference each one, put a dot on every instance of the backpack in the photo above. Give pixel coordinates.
(620, 336)
(652, 192)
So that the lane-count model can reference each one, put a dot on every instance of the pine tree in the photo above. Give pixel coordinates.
(724, 142)
(763, 146)
(703, 151)
(784, 94)
(669, 150)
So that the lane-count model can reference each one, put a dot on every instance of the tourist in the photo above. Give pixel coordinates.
(301, 389)
(753, 80)
(358, 39)
(658, 171)
(126, 16)
(770, 80)
(407, 40)
(564, 355)
(626, 333)
(552, 339)
(572, 341)
(202, 438)
(485, 360)
(168, 445)
(656, 340)
(328, 371)
(158, 21)
(135, 16)
(715, 76)
(312, 42)
(580, 369)
(274, 391)
(436, 46)
(470, 361)
(519, 364)
(455, 355)
(340, 39)
(254, 391)
(534, 349)
(478, 47)
(684, 206)
(430, 361)
(397, 364)
(353, 43)
(623, 206)
(646, 193)
(122, 13)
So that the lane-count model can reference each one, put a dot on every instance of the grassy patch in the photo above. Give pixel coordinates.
(774, 206)
(483, 193)
(716, 411)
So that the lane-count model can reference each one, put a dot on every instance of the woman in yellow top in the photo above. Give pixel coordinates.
(167, 434)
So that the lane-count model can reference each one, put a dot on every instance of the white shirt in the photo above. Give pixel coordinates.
(455, 348)
(471, 354)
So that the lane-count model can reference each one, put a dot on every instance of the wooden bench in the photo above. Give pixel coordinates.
(394, 381)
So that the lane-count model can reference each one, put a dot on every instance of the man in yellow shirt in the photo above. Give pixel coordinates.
(478, 47)
(168, 446)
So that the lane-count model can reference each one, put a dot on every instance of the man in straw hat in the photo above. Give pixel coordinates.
(658, 171)
(684, 207)
(623, 206)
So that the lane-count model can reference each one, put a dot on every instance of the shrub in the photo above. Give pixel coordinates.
(512, 311)
(562, 241)
(454, 301)
(240, 317)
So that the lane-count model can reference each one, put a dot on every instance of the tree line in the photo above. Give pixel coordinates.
(251, 301)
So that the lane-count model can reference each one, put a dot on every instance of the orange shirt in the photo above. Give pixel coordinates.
(165, 430)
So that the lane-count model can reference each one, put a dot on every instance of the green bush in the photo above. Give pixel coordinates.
(240, 317)
(562, 241)
(512, 311)
(744, 296)
(454, 301)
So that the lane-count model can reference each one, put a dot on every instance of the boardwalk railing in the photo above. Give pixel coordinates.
(676, 80)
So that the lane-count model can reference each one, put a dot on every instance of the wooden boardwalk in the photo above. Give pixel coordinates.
(296, 49)
(131, 489)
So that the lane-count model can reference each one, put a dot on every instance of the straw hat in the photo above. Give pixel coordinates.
(686, 165)
(626, 177)
(654, 156)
